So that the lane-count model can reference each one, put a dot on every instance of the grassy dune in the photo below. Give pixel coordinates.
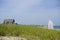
(30, 32)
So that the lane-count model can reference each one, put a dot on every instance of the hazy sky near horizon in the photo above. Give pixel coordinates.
(30, 11)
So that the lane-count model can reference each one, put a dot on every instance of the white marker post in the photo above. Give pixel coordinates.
(50, 24)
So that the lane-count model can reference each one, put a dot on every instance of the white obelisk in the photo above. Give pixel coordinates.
(50, 24)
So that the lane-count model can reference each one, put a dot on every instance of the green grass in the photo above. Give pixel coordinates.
(29, 31)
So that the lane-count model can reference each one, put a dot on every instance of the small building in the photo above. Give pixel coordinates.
(9, 21)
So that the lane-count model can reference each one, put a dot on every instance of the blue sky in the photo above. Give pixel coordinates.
(30, 11)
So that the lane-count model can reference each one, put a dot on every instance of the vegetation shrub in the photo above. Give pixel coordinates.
(2, 33)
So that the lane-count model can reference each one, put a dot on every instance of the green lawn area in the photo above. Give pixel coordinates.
(31, 32)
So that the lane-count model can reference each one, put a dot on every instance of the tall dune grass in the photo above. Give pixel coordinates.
(29, 31)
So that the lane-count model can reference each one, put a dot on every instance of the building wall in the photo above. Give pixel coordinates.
(9, 21)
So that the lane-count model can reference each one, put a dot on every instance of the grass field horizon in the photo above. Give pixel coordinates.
(31, 32)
